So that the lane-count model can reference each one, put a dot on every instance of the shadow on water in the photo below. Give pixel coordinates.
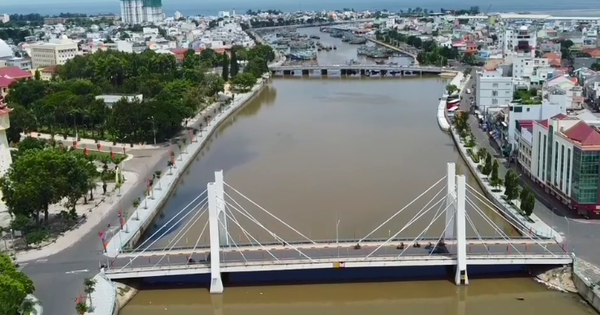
(235, 151)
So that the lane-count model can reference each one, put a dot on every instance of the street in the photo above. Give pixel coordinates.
(580, 235)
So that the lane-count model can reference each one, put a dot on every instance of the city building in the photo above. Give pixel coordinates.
(493, 89)
(10, 75)
(521, 41)
(565, 160)
(4, 18)
(55, 52)
(141, 11)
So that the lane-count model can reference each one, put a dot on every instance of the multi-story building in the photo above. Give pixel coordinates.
(4, 18)
(10, 75)
(55, 52)
(141, 11)
(493, 89)
(521, 41)
(565, 160)
(528, 112)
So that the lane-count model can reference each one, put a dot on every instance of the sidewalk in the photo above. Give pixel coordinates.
(92, 144)
(104, 297)
(95, 212)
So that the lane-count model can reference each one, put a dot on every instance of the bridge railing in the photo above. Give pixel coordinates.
(330, 242)
(335, 259)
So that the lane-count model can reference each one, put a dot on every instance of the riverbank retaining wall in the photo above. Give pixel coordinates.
(149, 207)
(539, 227)
(442, 116)
(587, 287)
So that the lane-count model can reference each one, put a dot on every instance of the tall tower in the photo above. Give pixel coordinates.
(5, 157)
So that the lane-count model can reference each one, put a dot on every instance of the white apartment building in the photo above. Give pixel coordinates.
(493, 89)
(525, 135)
(521, 41)
(524, 65)
(141, 11)
(4, 18)
(55, 52)
(520, 112)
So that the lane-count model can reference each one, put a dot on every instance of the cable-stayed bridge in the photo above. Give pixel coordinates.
(221, 212)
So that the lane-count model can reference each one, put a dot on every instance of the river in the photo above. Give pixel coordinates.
(339, 155)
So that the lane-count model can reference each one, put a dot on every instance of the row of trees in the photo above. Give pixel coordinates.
(42, 175)
(490, 167)
(172, 92)
(430, 53)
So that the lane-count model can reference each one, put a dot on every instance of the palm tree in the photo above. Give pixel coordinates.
(28, 306)
(89, 288)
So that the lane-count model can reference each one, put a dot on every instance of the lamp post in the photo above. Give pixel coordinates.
(153, 129)
(337, 234)
(568, 232)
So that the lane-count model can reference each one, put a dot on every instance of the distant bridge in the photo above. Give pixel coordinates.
(356, 70)
(312, 25)
(451, 248)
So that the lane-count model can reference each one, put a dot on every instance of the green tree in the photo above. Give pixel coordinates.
(243, 82)
(527, 202)
(511, 185)
(451, 89)
(235, 67)
(487, 167)
(482, 153)
(225, 72)
(495, 180)
(14, 287)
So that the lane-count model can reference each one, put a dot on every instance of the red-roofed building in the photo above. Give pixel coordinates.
(10, 75)
(565, 161)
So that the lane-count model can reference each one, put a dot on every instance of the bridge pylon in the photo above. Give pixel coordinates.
(216, 283)
(450, 201)
(461, 277)
(219, 186)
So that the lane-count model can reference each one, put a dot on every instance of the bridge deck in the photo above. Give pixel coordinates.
(554, 254)
(361, 67)
(328, 244)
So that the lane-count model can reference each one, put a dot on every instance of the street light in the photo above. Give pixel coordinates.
(153, 129)
(568, 232)
(337, 234)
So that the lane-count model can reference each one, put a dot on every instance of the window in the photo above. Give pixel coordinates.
(494, 93)
(555, 152)
(495, 101)
(562, 166)
(539, 140)
(495, 85)
(518, 109)
(528, 109)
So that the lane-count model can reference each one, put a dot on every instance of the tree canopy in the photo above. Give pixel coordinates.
(14, 287)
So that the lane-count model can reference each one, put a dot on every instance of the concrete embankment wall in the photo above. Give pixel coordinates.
(586, 287)
(144, 215)
(441, 112)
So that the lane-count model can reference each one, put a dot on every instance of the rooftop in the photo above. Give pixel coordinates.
(584, 134)
(14, 73)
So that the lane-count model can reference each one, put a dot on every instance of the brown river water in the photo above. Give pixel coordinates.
(327, 155)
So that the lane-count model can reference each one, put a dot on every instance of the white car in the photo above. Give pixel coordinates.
(468, 91)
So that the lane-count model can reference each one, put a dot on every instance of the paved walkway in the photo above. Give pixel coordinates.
(95, 212)
(92, 144)
(104, 298)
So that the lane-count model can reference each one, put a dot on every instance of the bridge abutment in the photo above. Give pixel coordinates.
(461, 277)
(216, 283)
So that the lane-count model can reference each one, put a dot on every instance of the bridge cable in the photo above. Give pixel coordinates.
(436, 213)
(417, 216)
(476, 232)
(232, 240)
(418, 237)
(405, 207)
(248, 233)
(269, 213)
(173, 218)
(253, 219)
(492, 224)
(157, 239)
(274, 235)
(444, 231)
(520, 229)
(199, 237)
(235, 220)
(186, 228)
(519, 226)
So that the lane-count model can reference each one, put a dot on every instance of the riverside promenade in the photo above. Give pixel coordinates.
(534, 223)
